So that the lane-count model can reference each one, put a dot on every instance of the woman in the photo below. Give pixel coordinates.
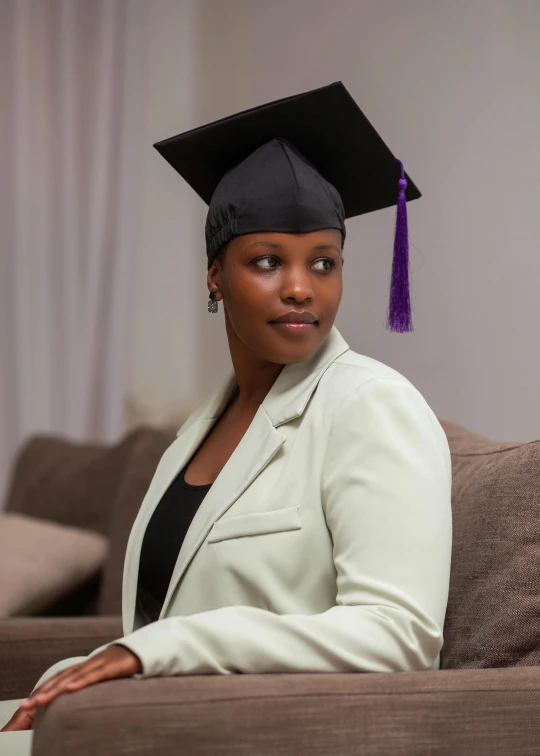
(301, 521)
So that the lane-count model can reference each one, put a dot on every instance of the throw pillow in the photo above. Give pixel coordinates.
(41, 561)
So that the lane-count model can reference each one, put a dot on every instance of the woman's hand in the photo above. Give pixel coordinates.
(113, 662)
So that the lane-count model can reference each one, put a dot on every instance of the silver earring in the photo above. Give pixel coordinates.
(212, 303)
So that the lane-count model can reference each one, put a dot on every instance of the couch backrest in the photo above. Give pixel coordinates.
(69, 482)
(493, 614)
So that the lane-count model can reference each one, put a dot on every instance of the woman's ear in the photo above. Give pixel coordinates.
(212, 276)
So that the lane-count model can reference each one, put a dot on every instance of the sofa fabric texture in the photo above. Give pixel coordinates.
(30, 645)
(444, 713)
(69, 482)
(493, 613)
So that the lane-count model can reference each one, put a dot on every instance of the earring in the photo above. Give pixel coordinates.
(212, 304)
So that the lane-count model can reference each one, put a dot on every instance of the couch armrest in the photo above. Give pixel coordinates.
(486, 712)
(30, 645)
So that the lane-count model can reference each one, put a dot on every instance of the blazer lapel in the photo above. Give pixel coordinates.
(188, 439)
(257, 447)
(285, 401)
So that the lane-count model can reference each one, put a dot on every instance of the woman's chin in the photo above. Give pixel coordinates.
(290, 345)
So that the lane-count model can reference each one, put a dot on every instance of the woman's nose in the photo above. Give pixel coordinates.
(297, 286)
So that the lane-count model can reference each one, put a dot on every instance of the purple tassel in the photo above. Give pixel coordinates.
(399, 312)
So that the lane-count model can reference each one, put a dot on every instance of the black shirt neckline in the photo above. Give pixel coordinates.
(190, 486)
(204, 486)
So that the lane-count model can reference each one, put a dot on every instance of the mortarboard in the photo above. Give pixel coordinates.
(299, 164)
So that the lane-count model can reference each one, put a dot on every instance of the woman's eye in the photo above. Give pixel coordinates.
(330, 262)
(261, 259)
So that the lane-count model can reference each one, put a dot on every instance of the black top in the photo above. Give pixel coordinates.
(165, 534)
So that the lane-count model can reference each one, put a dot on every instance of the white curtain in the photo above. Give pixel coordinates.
(72, 103)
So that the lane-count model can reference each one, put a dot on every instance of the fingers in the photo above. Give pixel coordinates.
(114, 662)
(42, 696)
(21, 720)
(47, 686)
(90, 677)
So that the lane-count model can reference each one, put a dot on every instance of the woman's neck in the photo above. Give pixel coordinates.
(255, 377)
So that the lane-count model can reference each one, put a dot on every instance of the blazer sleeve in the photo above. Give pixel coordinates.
(386, 492)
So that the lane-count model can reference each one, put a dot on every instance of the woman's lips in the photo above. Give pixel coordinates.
(294, 327)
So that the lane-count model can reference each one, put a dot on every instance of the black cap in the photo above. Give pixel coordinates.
(295, 165)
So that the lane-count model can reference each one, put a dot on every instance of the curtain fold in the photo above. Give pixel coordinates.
(72, 83)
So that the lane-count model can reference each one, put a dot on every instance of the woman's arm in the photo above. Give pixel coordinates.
(386, 488)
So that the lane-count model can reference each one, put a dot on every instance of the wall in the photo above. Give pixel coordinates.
(452, 88)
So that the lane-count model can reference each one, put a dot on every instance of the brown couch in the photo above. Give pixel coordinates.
(484, 700)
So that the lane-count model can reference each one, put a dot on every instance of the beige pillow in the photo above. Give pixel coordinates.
(41, 561)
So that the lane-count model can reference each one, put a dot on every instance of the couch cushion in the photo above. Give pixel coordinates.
(147, 449)
(483, 712)
(69, 482)
(41, 561)
(493, 612)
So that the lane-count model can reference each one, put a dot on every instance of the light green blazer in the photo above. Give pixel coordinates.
(324, 544)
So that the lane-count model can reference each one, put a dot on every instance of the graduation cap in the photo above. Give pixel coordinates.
(295, 165)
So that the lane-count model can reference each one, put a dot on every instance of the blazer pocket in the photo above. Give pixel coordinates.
(256, 523)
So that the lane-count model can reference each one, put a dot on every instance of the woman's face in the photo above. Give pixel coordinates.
(268, 274)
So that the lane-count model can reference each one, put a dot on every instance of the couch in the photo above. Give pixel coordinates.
(484, 700)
